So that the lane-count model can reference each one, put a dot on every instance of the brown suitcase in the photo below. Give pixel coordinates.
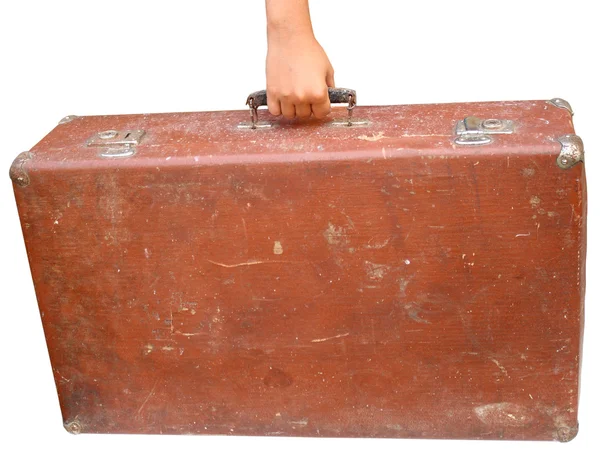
(415, 272)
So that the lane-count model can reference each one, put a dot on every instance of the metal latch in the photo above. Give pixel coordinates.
(116, 144)
(474, 131)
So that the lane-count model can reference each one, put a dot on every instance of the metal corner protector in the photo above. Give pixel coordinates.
(18, 173)
(572, 151)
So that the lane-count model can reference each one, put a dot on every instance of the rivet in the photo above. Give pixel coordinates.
(492, 124)
(564, 434)
(74, 427)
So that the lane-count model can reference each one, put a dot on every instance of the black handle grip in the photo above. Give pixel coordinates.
(336, 96)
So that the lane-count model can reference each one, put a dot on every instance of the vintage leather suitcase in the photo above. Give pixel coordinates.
(415, 272)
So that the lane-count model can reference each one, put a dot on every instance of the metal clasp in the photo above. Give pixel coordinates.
(254, 122)
(350, 121)
(116, 144)
(474, 131)
(350, 108)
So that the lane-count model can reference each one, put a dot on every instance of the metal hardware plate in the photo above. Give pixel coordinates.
(256, 125)
(475, 131)
(473, 125)
(116, 144)
(343, 122)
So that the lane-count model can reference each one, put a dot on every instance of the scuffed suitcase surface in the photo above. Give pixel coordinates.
(312, 280)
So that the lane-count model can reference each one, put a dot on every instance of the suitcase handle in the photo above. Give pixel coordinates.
(336, 96)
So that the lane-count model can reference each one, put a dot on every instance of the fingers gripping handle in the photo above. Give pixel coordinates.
(336, 96)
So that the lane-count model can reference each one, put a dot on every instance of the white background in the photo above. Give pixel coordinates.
(109, 57)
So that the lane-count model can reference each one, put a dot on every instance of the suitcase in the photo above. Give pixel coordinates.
(392, 271)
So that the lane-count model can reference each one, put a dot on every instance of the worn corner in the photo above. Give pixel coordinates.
(565, 434)
(18, 171)
(73, 427)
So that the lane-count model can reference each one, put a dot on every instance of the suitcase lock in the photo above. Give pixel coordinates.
(474, 131)
(116, 144)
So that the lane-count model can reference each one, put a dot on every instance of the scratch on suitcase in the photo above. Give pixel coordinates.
(377, 244)
(245, 229)
(375, 271)
(139, 411)
(61, 376)
(329, 338)
(254, 298)
(413, 310)
(373, 138)
(350, 222)
(302, 422)
(499, 365)
(246, 263)
(403, 283)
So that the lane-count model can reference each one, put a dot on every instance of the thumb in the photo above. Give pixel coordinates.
(329, 79)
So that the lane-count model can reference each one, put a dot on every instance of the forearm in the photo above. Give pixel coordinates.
(298, 70)
(288, 19)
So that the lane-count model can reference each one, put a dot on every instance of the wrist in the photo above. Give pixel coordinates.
(289, 33)
(288, 21)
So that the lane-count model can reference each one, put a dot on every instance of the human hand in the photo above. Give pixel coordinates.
(298, 75)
